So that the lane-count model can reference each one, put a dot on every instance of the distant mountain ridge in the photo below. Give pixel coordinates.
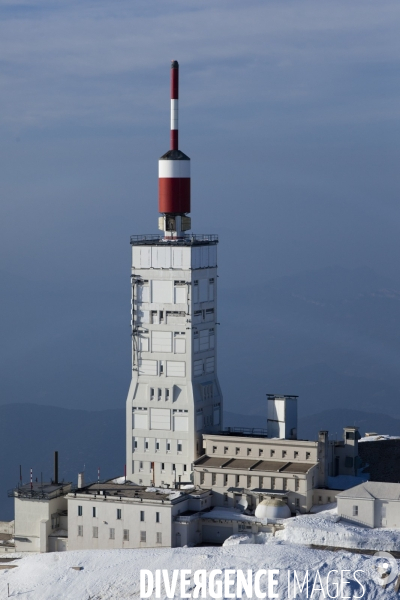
(88, 440)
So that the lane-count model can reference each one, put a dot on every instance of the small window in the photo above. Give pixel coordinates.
(248, 451)
(157, 517)
(173, 467)
(80, 530)
(248, 481)
(184, 468)
(260, 452)
(79, 511)
(157, 445)
(237, 451)
(283, 453)
(159, 393)
(329, 499)
(162, 467)
(146, 444)
(119, 513)
(308, 455)
(141, 466)
(225, 480)
(134, 443)
(142, 536)
(168, 445)
(349, 435)
(214, 449)
(272, 483)
(320, 499)
(296, 454)
(94, 511)
(95, 532)
(151, 393)
(272, 452)
(260, 483)
(237, 480)
(179, 446)
(214, 479)
(285, 487)
(296, 485)
(161, 371)
(355, 511)
(225, 449)
(297, 503)
(159, 537)
(126, 535)
(167, 392)
(201, 478)
(112, 533)
(142, 515)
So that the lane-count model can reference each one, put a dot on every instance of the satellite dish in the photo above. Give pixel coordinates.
(242, 504)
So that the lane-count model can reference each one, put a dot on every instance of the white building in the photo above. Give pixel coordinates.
(109, 515)
(373, 503)
(40, 513)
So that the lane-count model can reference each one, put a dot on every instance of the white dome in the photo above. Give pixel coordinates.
(273, 508)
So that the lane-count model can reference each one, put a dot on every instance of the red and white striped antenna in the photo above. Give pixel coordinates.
(174, 104)
(174, 175)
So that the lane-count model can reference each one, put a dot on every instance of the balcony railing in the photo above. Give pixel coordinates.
(151, 239)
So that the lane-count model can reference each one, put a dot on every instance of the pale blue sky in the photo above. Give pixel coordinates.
(289, 111)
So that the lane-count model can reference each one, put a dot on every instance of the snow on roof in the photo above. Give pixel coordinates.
(378, 438)
(372, 490)
(230, 514)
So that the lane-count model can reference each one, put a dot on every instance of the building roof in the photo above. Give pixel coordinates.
(117, 491)
(40, 490)
(246, 464)
(373, 489)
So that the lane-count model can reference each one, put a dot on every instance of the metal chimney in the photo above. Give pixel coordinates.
(56, 467)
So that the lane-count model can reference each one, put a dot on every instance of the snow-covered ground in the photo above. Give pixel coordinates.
(114, 574)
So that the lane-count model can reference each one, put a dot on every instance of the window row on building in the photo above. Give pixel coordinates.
(250, 481)
(157, 445)
(159, 467)
(157, 516)
(259, 452)
(125, 534)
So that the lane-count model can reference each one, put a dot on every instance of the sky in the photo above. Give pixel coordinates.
(289, 111)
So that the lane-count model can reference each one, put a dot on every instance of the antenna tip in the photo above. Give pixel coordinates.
(174, 64)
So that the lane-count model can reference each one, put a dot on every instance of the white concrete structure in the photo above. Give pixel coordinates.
(174, 395)
(282, 416)
(373, 503)
(41, 517)
(109, 515)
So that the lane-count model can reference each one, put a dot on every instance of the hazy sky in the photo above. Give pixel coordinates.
(289, 111)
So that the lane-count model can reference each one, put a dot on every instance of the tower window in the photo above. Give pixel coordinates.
(79, 511)
(151, 393)
(159, 395)
(167, 392)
